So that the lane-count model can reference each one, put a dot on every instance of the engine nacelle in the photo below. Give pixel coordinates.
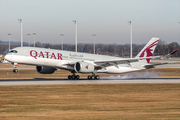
(84, 67)
(45, 70)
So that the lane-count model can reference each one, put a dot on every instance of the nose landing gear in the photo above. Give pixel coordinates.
(15, 69)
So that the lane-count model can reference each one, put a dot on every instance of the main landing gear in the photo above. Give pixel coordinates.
(93, 77)
(73, 76)
(90, 77)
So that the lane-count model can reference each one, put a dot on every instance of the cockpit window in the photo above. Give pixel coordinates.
(13, 51)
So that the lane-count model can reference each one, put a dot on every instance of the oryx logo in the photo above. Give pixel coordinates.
(87, 66)
(148, 52)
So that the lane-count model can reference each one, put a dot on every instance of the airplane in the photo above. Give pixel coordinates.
(49, 60)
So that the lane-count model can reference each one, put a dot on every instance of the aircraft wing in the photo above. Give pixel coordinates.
(115, 62)
(112, 62)
(106, 63)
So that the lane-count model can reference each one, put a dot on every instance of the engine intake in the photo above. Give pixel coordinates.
(45, 70)
(84, 67)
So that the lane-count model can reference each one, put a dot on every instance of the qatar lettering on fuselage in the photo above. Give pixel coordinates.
(42, 54)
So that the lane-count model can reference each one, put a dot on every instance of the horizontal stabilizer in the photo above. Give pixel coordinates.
(154, 65)
(170, 54)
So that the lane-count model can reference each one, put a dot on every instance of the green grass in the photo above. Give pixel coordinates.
(96, 101)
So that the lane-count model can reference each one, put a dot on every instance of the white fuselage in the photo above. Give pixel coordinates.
(62, 59)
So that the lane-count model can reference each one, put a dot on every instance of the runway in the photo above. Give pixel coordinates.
(43, 81)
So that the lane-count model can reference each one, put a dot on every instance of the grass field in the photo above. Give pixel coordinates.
(92, 102)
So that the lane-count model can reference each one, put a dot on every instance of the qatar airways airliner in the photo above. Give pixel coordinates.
(49, 60)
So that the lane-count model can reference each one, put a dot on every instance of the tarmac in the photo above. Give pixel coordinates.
(84, 81)
(57, 81)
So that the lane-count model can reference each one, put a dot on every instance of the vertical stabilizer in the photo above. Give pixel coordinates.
(148, 50)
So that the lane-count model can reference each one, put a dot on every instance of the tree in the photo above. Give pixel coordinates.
(47, 45)
(173, 46)
(38, 44)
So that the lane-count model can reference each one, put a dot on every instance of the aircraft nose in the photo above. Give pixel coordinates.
(7, 57)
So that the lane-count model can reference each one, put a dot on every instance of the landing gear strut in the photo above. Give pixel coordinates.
(73, 76)
(15, 69)
(93, 77)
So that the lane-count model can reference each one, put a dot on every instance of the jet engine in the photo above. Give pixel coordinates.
(84, 67)
(45, 70)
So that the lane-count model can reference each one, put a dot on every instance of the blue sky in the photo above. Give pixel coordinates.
(105, 18)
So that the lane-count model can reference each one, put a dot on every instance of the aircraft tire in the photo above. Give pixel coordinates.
(69, 77)
(73, 77)
(77, 77)
(97, 77)
(15, 70)
(89, 77)
(93, 77)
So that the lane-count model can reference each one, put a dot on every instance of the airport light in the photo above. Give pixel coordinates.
(29, 39)
(115, 50)
(62, 41)
(21, 21)
(34, 38)
(179, 22)
(122, 53)
(9, 41)
(94, 35)
(130, 23)
(75, 22)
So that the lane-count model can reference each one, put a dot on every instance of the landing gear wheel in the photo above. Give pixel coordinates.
(97, 77)
(77, 77)
(89, 77)
(73, 77)
(69, 77)
(93, 77)
(15, 70)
